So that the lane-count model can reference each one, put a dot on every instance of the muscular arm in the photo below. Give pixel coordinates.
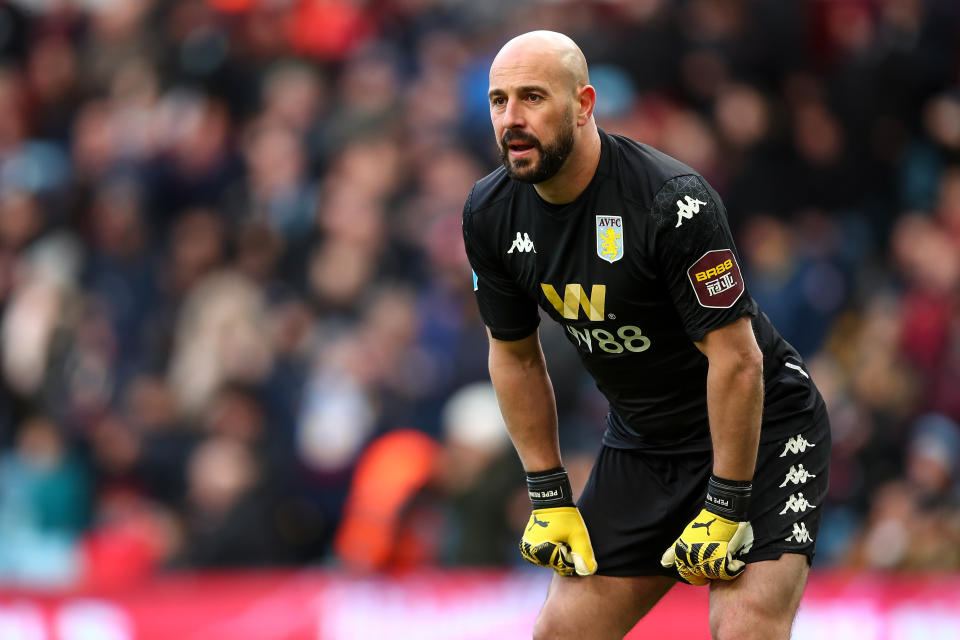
(525, 393)
(734, 398)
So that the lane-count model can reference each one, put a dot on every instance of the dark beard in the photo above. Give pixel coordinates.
(552, 156)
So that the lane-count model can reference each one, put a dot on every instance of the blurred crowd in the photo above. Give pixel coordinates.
(237, 324)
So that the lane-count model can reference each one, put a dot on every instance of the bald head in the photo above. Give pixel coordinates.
(541, 107)
(547, 52)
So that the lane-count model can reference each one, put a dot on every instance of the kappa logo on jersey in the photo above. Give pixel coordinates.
(797, 475)
(523, 244)
(716, 279)
(796, 444)
(797, 503)
(610, 238)
(800, 533)
(685, 210)
(575, 298)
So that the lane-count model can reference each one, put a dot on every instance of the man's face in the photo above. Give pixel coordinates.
(532, 115)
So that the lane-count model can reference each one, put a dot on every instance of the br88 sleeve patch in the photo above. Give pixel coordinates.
(716, 279)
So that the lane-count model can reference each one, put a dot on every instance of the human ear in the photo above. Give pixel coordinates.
(586, 100)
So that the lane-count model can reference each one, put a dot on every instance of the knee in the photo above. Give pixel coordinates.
(555, 624)
(548, 627)
(750, 621)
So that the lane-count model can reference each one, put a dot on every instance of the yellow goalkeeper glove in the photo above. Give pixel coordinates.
(708, 547)
(555, 535)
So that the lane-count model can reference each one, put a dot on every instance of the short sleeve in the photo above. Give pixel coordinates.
(696, 256)
(508, 312)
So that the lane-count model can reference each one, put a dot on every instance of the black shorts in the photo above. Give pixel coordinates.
(636, 504)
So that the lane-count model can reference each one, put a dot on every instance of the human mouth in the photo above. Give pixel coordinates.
(519, 147)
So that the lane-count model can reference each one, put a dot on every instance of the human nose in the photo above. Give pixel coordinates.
(513, 115)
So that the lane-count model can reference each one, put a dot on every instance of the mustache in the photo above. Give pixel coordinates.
(518, 136)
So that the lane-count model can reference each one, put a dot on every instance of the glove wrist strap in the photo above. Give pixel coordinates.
(728, 498)
(550, 488)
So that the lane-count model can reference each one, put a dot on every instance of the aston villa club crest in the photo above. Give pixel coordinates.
(609, 238)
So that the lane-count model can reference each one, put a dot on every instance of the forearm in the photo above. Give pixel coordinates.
(735, 406)
(527, 403)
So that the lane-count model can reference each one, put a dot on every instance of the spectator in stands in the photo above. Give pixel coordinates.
(231, 267)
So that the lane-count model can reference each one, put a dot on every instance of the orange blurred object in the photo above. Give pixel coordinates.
(393, 468)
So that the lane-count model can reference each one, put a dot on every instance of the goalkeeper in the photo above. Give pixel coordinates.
(714, 461)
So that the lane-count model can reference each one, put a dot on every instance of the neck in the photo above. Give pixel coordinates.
(577, 171)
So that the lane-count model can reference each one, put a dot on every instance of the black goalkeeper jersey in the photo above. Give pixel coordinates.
(636, 269)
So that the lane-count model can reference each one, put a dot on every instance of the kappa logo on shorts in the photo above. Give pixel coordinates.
(796, 444)
(800, 533)
(610, 238)
(716, 279)
(797, 503)
(797, 475)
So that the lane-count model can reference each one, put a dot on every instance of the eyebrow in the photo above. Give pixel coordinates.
(530, 88)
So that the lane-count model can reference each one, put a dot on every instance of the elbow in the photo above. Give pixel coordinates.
(734, 356)
(745, 363)
(753, 359)
(748, 363)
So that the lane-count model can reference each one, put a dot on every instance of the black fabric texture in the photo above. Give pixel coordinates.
(613, 267)
(636, 504)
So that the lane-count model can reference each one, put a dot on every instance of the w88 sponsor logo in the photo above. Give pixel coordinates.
(628, 338)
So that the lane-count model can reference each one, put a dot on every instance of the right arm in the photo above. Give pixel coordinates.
(525, 394)
(518, 370)
(519, 375)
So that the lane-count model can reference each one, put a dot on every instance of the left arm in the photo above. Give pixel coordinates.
(735, 408)
(734, 397)
(698, 263)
